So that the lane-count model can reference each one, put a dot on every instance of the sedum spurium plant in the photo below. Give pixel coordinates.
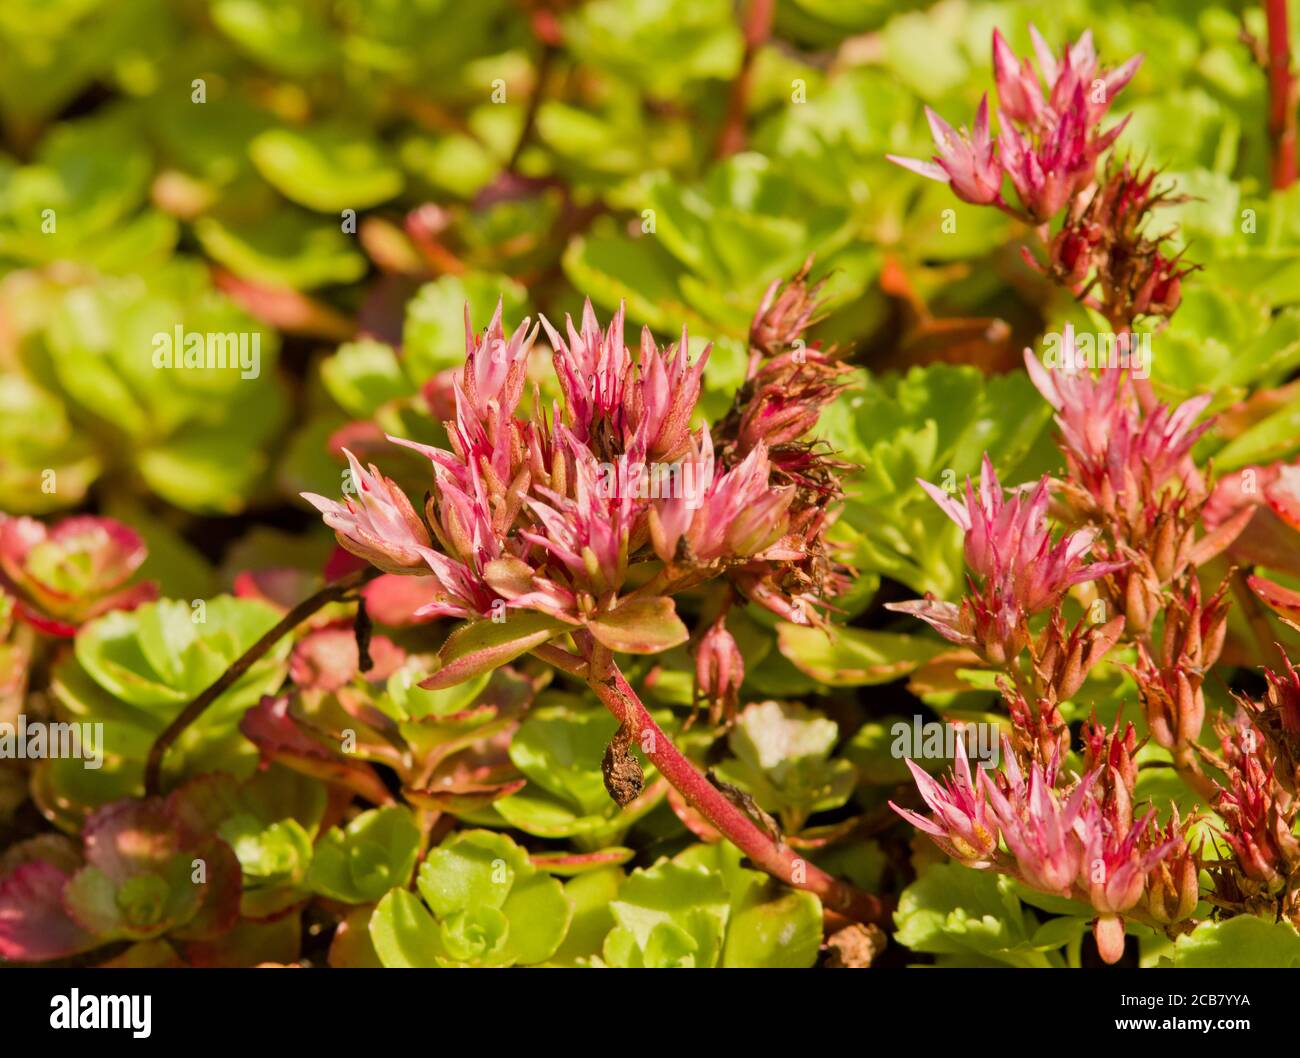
(1136, 545)
(563, 536)
(443, 638)
(567, 534)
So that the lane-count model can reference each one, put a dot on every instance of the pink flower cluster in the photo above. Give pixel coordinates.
(549, 512)
(1048, 143)
(1117, 451)
(1056, 836)
(1017, 568)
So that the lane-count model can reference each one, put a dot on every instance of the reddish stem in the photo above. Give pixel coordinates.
(778, 860)
(562, 659)
(1281, 91)
(757, 28)
(549, 52)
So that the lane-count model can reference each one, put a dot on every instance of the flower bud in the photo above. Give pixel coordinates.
(1108, 932)
(719, 671)
(786, 311)
(380, 525)
(1111, 753)
(1173, 888)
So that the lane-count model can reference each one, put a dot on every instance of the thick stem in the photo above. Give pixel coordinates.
(1281, 95)
(778, 860)
(562, 659)
(330, 593)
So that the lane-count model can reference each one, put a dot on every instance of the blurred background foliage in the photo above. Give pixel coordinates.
(341, 176)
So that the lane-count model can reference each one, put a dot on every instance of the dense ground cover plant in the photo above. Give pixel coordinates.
(638, 515)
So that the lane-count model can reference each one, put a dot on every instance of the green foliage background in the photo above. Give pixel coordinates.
(251, 166)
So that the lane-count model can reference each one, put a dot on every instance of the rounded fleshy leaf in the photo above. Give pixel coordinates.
(640, 626)
(374, 853)
(474, 868)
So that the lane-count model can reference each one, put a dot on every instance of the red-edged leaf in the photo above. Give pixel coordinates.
(458, 797)
(34, 927)
(1282, 601)
(277, 734)
(640, 626)
(327, 659)
(481, 646)
(393, 599)
(1283, 495)
(570, 863)
(221, 893)
(1221, 537)
(692, 819)
(286, 309)
(278, 586)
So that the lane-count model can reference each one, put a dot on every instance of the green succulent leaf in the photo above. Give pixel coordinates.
(703, 909)
(363, 376)
(433, 334)
(1243, 942)
(560, 748)
(483, 904)
(415, 702)
(839, 656)
(770, 925)
(660, 45)
(144, 906)
(933, 423)
(374, 853)
(134, 672)
(970, 917)
(668, 916)
(782, 757)
(288, 248)
(293, 39)
(640, 626)
(404, 933)
(590, 894)
(325, 168)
